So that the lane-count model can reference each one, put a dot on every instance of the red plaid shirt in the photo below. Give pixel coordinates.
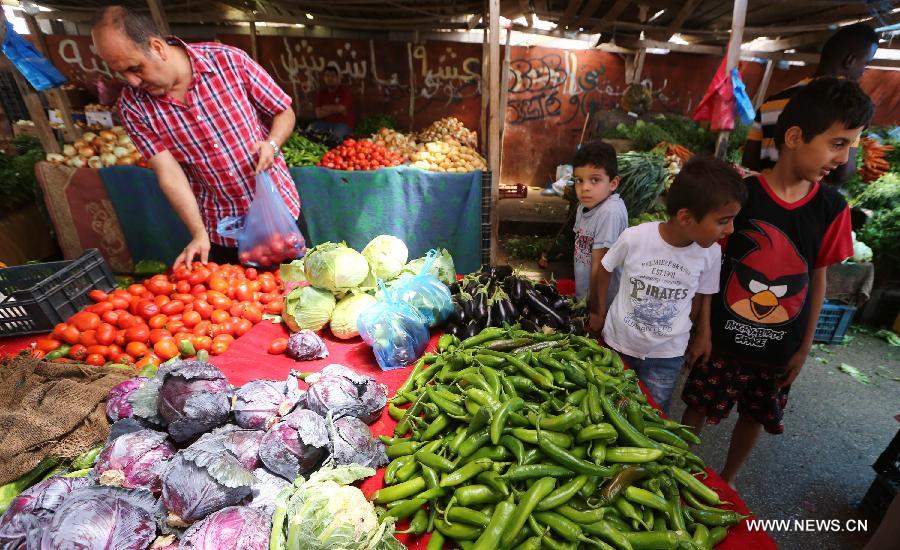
(212, 132)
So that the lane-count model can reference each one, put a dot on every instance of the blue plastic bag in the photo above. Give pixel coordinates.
(743, 105)
(39, 72)
(426, 293)
(267, 234)
(395, 330)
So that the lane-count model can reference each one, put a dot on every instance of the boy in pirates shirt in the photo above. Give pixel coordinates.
(772, 286)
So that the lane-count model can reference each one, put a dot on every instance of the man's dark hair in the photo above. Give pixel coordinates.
(820, 104)
(597, 153)
(330, 69)
(703, 185)
(138, 27)
(853, 39)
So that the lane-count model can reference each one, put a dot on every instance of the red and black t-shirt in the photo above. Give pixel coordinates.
(761, 311)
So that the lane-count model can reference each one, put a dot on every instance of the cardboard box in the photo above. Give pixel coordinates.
(102, 118)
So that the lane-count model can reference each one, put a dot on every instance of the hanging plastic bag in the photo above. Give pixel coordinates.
(744, 106)
(426, 293)
(267, 234)
(39, 72)
(395, 330)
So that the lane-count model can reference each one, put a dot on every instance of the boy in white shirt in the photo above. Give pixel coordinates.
(665, 266)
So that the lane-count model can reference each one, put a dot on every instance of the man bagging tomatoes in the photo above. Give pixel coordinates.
(199, 113)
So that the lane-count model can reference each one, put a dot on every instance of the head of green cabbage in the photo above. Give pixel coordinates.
(442, 268)
(347, 311)
(307, 307)
(335, 267)
(387, 255)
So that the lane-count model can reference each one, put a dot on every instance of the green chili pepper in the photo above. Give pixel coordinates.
(576, 397)
(649, 540)
(473, 495)
(527, 503)
(58, 353)
(590, 487)
(634, 415)
(458, 439)
(436, 542)
(696, 486)
(598, 452)
(407, 471)
(483, 337)
(687, 435)
(490, 538)
(407, 447)
(665, 436)
(432, 479)
(550, 543)
(483, 398)
(566, 459)
(492, 378)
(400, 491)
(457, 531)
(593, 404)
(390, 472)
(716, 535)
(432, 493)
(623, 480)
(532, 456)
(475, 379)
(474, 442)
(489, 360)
(524, 368)
(437, 426)
(531, 471)
(562, 494)
(435, 461)
(701, 537)
(559, 423)
(493, 480)
(465, 473)
(602, 431)
(427, 373)
(499, 420)
(691, 499)
(515, 446)
(531, 437)
(712, 518)
(87, 459)
(494, 453)
(583, 517)
(530, 543)
(445, 341)
(627, 432)
(405, 508)
(632, 454)
(647, 499)
(673, 496)
(628, 510)
(467, 515)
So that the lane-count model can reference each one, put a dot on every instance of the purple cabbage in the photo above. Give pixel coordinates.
(344, 392)
(102, 518)
(266, 490)
(203, 479)
(233, 527)
(352, 443)
(306, 345)
(260, 403)
(23, 523)
(243, 444)
(135, 460)
(118, 405)
(295, 445)
(193, 399)
(126, 426)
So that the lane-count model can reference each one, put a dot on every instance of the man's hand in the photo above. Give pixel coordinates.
(698, 350)
(199, 246)
(793, 367)
(266, 155)
(596, 322)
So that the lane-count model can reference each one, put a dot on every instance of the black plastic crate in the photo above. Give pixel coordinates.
(37, 296)
(833, 322)
(879, 496)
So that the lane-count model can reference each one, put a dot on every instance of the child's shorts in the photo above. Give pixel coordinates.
(659, 375)
(714, 388)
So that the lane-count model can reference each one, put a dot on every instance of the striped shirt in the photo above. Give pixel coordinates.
(212, 132)
(763, 128)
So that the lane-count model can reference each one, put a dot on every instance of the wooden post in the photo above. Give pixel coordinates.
(504, 91)
(764, 84)
(159, 16)
(56, 97)
(254, 51)
(494, 126)
(485, 91)
(738, 16)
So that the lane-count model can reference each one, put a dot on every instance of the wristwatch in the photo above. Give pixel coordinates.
(274, 147)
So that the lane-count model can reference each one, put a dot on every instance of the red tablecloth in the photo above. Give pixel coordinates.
(247, 360)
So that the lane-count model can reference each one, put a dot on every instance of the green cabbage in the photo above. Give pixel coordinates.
(443, 267)
(327, 512)
(308, 307)
(335, 267)
(343, 319)
(387, 255)
(294, 272)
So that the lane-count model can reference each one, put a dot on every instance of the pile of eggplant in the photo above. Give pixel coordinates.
(496, 296)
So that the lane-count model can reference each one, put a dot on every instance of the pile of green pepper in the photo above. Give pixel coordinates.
(512, 439)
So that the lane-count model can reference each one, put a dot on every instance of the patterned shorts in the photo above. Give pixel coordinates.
(714, 388)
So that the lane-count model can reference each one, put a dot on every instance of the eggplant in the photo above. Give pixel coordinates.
(551, 321)
(468, 305)
(471, 330)
(515, 288)
(525, 312)
(549, 291)
(472, 287)
(481, 306)
(501, 272)
(459, 314)
(498, 314)
(562, 303)
(529, 325)
(454, 288)
(484, 277)
(453, 329)
(542, 307)
(509, 310)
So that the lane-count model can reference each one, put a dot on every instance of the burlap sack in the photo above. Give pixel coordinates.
(50, 409)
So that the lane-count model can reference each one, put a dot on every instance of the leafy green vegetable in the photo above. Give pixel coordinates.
(372, 124)
(642, 179)
(336, 267)
(347, 311)
(17, 179)
(854, 373)
(147, 268)
(308, 307)
(387, 255)
(889, 336)
(443, 267)
(301, 151)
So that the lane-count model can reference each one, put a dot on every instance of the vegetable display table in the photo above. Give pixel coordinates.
(122, 211)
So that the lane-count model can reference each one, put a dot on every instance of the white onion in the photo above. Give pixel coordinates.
(69, 150)
(107, 148)
(79, 143)
(76, 162)
(109, 159)
(88, 136)
(124, 139)
(87, 152)
(108, 136)
(95, 162)
(120, 152)
(55, 158)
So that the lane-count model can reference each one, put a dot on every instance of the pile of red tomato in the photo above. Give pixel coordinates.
(359, 155)
(166, 316)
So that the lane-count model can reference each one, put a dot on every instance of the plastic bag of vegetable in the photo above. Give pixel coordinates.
(103, 517)
(335, 267)
(308, 308)
(346, 313)
(306, 345)
(267, 234)
(352, 443)
(327, 512)
(395, 330)
(260, 403)
(426, 293)
(193, 399)
(237, 527)
(387, 255)
(203, 479)
(295, 445)
(135, 461)
(442, 268)
(23, 523)
(117, 404)
(342, 391)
